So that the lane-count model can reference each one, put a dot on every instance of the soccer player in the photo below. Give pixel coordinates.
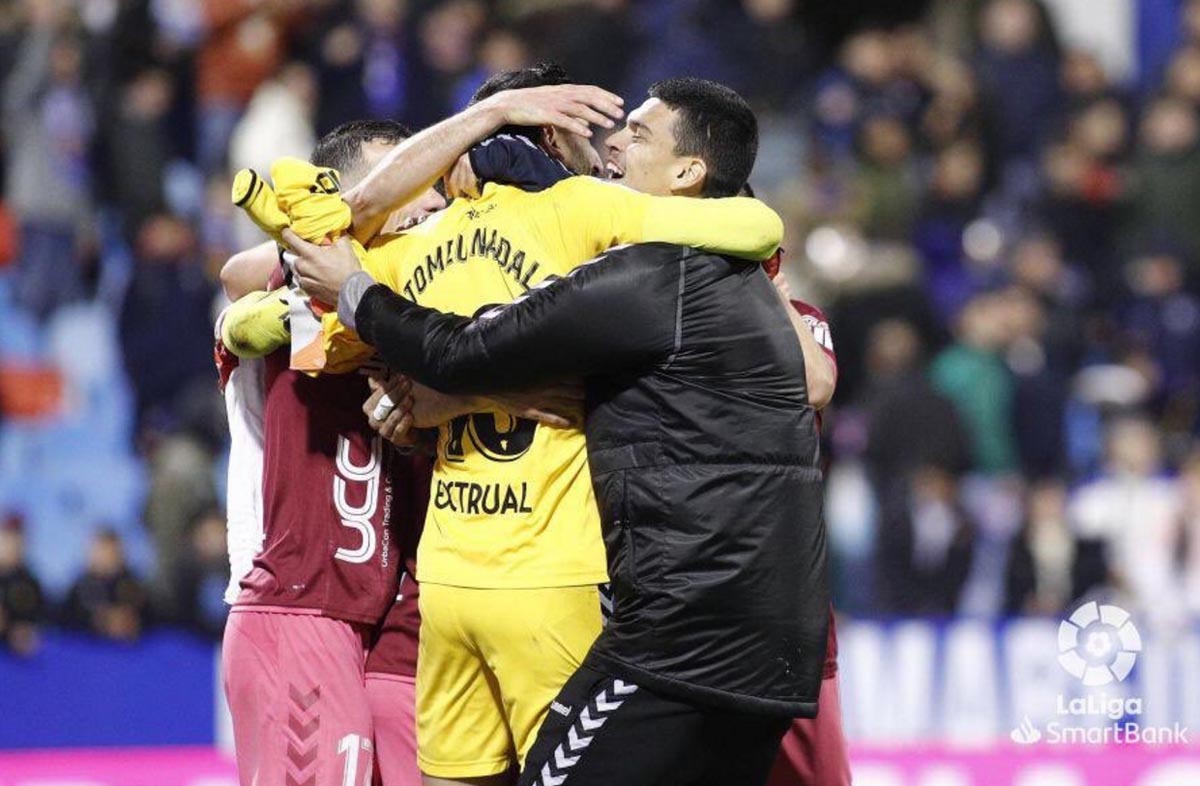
(703, 453)
(814, 750)
(511, 553)
(334, 504)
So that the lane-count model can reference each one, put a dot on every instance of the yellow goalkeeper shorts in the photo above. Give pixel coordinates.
(490, 663)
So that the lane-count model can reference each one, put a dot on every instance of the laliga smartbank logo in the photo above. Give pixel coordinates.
(1098, 645)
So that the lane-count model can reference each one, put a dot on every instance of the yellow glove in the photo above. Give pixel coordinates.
(311, 197)
(256, 324)
(254, 195)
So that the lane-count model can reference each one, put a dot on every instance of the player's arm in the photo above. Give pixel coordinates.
(410, 406)
(602, 215)
(416, 163)
(820, 371)
(249, 270)
(618, 313)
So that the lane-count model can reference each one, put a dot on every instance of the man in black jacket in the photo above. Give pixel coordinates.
(703, 454)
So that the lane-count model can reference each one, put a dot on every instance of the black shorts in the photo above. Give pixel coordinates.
(603, 731)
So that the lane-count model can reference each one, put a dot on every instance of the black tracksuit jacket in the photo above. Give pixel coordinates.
(703, 452)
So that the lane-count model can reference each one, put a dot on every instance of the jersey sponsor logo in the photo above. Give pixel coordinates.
(486, 435)
(482, 243)
(358, 517)
(461, 496)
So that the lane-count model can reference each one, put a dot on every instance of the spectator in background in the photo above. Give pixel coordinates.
(1163, 320)
(1083, 80)
(954, 111)
(1132, 513)
(138, 146)
(909, 424)
(1038, 267)
(1018, 70)
(202, 576)
(865, 84)
(886, 184)
(164, 324)
(950, 204)
(278, 121)
(972, 374)
(447, 36)
(1041, 387)
(1040, 575)
(1089, 175)
(48, 125)
(1166, 195)
(107, 600)
(244, 42)
(363, 69)
(926, 542)
(22, 608)
(1183, 75)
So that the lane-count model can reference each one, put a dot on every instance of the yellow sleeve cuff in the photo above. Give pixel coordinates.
(256, 324)
(737, 226)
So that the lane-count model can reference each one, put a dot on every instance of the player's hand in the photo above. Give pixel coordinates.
(431, 408)
(323, 269)
(389, 409)
(557, 407)
(569, 107)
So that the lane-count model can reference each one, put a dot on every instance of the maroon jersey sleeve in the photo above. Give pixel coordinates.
(394, 650)
(329, 488)
(818, 323)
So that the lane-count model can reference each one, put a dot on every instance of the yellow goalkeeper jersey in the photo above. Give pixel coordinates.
(511, 504)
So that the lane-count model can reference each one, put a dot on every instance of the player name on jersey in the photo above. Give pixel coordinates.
(482, 244)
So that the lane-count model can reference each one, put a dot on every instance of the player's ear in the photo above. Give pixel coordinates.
(690, 176)
(552, 144)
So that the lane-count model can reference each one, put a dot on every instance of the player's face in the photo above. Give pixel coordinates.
(577, 153)
(414, 212)
(642, 154)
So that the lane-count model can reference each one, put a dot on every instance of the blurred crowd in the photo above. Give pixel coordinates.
(1003, 231)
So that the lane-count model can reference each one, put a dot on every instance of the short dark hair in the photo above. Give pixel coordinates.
(341, 148)
(537, 75)
(716, 125)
